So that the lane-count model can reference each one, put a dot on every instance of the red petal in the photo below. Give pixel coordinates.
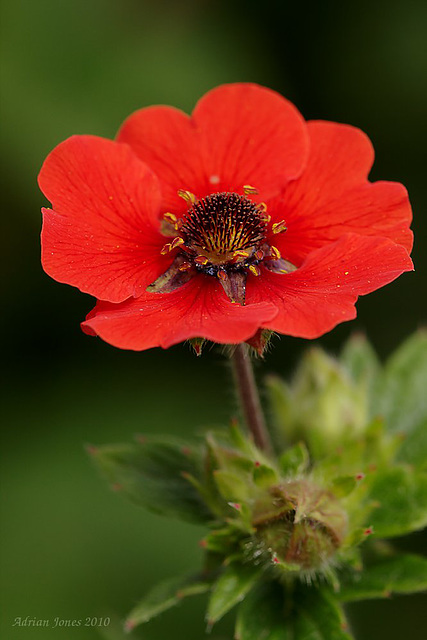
(103, 235)
(239, 134)
(198, 309)
(322, 293)
(333, 196)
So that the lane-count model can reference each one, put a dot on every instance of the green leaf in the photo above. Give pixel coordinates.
(401, 496)
(295, 460)
(270, 613)
(414, 447)
(401, 396)
(230, 588)
(400, 574)
(153, 474)
(163, 596)
(360, 360)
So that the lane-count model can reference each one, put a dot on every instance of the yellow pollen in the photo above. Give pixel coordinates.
(189, 197)
(346, 273)
(240, 254)
(202, 260)
(177, 242)
(279, 227)
(253, 268)
(249, 190)
(184, 266)
(262, 207)
(259, 254)
(167, 247)
(275, 253)
(170, 217)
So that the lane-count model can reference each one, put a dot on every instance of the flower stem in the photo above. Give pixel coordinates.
(249, 397)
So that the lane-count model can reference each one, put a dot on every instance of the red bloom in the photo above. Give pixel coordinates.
(242, 216)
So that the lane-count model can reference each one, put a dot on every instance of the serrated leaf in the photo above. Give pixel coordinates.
(401, 494)
(163, 596)
(230, 588)
(151, 474)
(271, 613)
(294, 460)
(400, 574)
(401, 396)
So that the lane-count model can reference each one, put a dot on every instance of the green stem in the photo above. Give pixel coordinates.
(249, 397)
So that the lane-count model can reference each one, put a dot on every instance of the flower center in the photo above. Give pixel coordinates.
(224, 230)
(222, 235)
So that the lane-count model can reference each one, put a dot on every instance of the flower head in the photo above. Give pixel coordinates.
(240, 218)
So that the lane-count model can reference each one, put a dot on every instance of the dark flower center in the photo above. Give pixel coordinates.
(222, 235)
(224, 228)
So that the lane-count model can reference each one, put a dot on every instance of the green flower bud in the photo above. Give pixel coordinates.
(299, 525)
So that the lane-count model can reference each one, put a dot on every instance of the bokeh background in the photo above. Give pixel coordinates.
(71, 548)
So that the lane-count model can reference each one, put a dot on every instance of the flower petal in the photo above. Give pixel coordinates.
(103, 234)
(322, 293)
(198, 309)
(239, 134)
(333, 195)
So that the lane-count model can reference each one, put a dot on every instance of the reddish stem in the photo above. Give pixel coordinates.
(249, 397)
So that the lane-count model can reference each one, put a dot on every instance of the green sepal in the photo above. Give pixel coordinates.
(264, 475)
(231, 486)
(153, 473)
(164, 596)
(342, 486)
(230, 588)
(400, 497)
(271, 612)
(294, 460)
(400, 574)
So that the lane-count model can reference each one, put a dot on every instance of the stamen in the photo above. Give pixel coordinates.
(259, 254)
(275, 253)
(253, 268)
(177, 242)
(165, 249)
(189, 197)
(185, 266)
(240, 254)
(279, 227)
(248, 190)
(202, 260)
(170, 217)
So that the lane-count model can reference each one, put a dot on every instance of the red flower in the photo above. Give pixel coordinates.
(242, 216)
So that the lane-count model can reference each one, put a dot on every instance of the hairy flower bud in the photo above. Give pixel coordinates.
(299, 524)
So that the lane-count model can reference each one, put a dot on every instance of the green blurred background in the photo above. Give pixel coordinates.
(71, 548)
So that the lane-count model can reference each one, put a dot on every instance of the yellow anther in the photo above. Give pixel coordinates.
(189, 197)
(184, 266)
(240, 254)
(259, 254)
(249, 190)
(222, 275)
(167, 247)
(202, 260)
(170, 217)
(262, 207)
(177, 242)
(279, 227)
(275, 253)
(255, 270)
